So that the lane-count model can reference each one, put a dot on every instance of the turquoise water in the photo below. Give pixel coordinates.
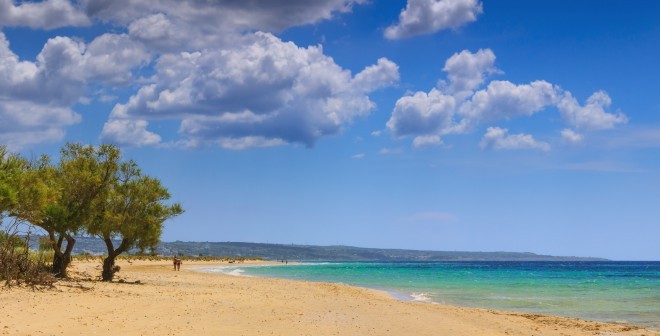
(624, 292)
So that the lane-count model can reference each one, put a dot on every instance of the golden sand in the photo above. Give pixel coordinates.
(190, 302)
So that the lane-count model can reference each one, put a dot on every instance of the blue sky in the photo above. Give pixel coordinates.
(425, 124)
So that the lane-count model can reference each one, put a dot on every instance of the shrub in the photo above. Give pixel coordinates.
(18, 264)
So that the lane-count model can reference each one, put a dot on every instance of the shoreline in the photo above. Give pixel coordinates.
(166, 302)
(406, 296)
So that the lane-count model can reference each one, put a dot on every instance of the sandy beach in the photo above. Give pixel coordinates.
(189, 302)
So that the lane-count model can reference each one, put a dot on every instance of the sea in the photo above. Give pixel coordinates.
(623, 292)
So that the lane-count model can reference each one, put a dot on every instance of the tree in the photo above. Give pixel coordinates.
(10, 167)
(83, 180)
(21, 196)
(134, 213)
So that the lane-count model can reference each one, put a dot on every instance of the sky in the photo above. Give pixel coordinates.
(468, 125)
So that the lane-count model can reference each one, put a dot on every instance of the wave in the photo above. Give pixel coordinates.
(422, 297)
(228, 270)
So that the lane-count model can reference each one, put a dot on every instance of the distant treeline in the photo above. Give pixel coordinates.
(321, 253)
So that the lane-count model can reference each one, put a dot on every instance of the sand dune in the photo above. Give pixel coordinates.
(189, 302)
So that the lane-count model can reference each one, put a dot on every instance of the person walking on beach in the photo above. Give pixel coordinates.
(177, 263)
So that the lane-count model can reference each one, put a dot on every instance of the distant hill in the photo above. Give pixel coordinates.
(325, 253)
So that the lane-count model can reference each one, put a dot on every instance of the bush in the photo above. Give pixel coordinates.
(18, 264)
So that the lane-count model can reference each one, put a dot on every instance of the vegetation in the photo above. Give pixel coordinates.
(18, 264)
(134, 212)
(88, 192)
(10, 165)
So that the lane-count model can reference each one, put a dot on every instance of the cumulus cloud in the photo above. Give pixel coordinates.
(64, 66)
(422, 113)
(571, 137)
(34, 104)
(382, 74)
(591, 116)
(461, 104)
(505, 100)
(24, 123)
(467, 71)
(263, 90)
(227, 82)
(16, 141)
(37, 96)
(47, 14)
(499, 139)
(429, 16)
(423, 141)
(111, 59)
(129, 132)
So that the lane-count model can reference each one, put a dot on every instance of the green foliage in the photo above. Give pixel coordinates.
(45, 245)
(89, 191)
(135, 209)
(83, 178)
(10, 168)
(36, 190)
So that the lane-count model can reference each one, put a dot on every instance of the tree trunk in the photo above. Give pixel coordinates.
(61, 260)
(109, 268)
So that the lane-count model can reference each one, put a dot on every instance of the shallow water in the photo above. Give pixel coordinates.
(623, 292)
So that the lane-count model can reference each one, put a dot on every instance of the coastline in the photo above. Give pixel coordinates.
(166, 302)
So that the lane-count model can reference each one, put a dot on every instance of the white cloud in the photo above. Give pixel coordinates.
(16, 141)
(499, 139)
(571, 137)
(24, 123)
(249, 142)
(466, 71)
(17, 115)
(359, 156)
(111, 58)
(165, 33)
(422, 113)
(429, 16)
(47, 14)
(423, 141)
(376, 133)
(382, 74)
(262, 88)
(455, 108)
(129, 132)
(591, 116)
(34, 101)
(505, 100)
(64, 67)
(37, 96)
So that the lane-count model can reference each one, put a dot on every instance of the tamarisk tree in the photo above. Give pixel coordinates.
(133, 213)
(9, 168)
(83, 180)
